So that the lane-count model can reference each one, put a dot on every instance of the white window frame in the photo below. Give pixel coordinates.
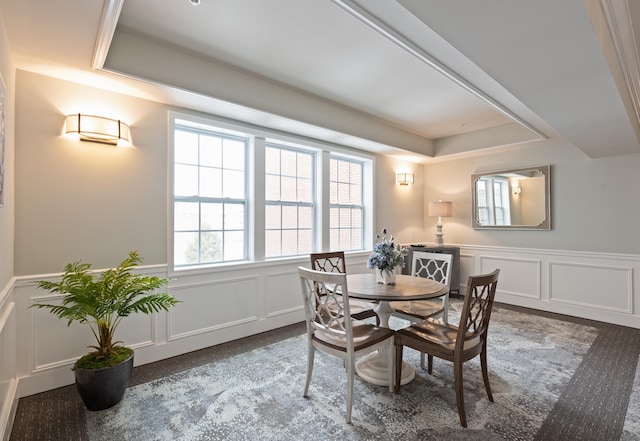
(255, 195)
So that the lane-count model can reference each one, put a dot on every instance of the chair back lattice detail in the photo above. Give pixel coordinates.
(476, 310)
(324, 296)
(434, 266)
(329, 262)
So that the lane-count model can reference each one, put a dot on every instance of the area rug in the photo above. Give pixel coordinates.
(257, 395)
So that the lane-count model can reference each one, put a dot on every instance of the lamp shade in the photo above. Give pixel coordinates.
(97, 129)
(404, 178)
(440, 208)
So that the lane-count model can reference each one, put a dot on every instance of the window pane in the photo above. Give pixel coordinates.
(343, 194)
(272, 161)
(234, 245)
(288, 163)
(211, 151)
(356, 239)
(233, 217)
(272, 217)
(233, 154)
(272, 188)
(289, 242)
(289, 217)
(288, 189)
(305, 190)
(183, 251)
(305, 166)
(210, 182)
(186, 216)
(305, 217)
(211, 247)
(272, 243)
(305, 241)
(334, 217)
(211, 216)
(186, 147)
(233, 184)
(185, 180)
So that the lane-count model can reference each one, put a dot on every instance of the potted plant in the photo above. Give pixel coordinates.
(102, 302)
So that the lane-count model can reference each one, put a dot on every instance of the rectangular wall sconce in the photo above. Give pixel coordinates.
(97, 129)
(404, 178)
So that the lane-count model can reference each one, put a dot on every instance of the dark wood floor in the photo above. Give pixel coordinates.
(593, 406)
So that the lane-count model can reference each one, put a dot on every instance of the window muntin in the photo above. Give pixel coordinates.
(346, 221)
(210, 203)
(289, 201)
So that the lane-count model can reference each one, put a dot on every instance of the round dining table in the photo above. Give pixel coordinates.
(374, 367)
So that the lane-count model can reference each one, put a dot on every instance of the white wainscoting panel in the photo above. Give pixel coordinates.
(213, 305)
(594, 286)
(283, 293)
(518, 277)
(8, 380)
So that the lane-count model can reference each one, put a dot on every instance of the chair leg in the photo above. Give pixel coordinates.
(398, 367)
(350, 374)
(310, 354)
(422, 360)
(457, 378)
(445, 305)
(485, 372)
(430, 364)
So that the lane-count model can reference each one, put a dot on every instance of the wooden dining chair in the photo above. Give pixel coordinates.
(334, 331)
(434, 266)
(456, 343)
(334, 262)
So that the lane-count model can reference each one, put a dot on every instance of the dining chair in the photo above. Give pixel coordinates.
(434, 266)
(335, 332)
(456, 343)
(334, 262)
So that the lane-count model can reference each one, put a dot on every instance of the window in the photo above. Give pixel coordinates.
(493, 201)
(346, 204)
(209, 189)
(289, 207)
(241, 193)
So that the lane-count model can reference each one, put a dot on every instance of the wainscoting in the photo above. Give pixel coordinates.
(37, 350)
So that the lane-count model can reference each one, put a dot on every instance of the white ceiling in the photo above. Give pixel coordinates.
(418, 79)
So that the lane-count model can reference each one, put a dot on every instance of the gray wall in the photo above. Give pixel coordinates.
(78, 200)
(7, 71)
(594, 202)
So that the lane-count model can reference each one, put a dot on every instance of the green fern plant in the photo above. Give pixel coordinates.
(103, 301)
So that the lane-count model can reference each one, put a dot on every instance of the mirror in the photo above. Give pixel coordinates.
(512, 199)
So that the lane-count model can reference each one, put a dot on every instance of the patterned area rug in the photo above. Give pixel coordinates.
(258, 395)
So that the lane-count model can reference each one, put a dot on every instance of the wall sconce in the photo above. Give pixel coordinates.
(97, 129)
(404, 178)
(440, 209)
(516, 189)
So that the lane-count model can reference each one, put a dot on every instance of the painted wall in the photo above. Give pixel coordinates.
(7, 71)
(594, 202)
(84, 200)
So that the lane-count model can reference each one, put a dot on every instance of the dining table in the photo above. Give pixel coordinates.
(374, 367)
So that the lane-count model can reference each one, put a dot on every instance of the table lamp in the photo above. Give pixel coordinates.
(440, 209)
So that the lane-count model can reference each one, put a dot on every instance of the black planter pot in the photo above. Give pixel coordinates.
(103, 388)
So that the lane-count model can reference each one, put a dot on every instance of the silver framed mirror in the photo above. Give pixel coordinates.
(518, 198)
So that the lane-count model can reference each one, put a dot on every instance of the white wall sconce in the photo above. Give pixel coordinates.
(404, 178)
(97, 129)
(440, 209)
(516, 189)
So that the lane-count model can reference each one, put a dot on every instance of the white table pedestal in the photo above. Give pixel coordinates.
(374, 367)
